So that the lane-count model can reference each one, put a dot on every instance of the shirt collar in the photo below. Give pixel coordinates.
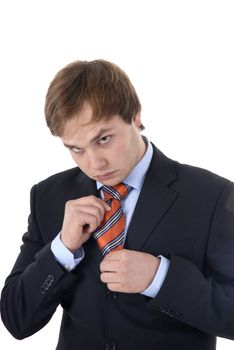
(136, 177)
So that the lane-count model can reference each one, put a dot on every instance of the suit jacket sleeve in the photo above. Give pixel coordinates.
(36, 284)
(205, 300)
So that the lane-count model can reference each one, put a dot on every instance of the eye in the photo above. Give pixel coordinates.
(104, 139)
(75, 150)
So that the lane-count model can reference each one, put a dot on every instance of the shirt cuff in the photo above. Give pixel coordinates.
(64, 256)
(159, 278)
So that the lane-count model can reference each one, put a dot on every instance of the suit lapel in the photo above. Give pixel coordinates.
(83, 186)
(155, 199)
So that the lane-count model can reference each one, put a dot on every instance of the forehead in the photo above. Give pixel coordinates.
(80, 122)
(82, 130)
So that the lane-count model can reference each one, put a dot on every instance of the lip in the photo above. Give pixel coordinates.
(106, 176)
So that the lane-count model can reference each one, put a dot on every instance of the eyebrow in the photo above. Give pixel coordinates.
(95, 138)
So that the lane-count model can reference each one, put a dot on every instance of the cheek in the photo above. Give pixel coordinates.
(122, 155)
(120, 152)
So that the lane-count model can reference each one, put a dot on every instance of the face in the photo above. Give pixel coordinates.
(107, 150)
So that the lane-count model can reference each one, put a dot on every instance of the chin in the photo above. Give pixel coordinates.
(111, 182)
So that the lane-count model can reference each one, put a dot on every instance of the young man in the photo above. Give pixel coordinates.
(137, 248)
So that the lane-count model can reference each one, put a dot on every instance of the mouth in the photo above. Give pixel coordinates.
(105, 176)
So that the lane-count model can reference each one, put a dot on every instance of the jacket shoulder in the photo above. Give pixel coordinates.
(184, 175)
(60, 181)
(198, 178)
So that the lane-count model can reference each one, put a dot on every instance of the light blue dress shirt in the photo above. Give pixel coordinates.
(135, 179)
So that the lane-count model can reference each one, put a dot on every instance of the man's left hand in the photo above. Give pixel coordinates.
(128, 271)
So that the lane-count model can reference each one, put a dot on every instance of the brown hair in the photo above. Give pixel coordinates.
(100, 83)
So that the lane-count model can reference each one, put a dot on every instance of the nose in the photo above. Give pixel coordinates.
(96, 161)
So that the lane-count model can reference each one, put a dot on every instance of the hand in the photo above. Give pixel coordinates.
(128, 271)
(82, 217)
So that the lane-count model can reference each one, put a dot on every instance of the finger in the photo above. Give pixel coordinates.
(100, 202)
(109, 277)
(93, 200)
(91, 209)
(114, 255)
(116, 287)
(109, 266)
(88, 221)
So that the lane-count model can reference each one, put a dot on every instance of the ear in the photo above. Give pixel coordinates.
(137, 120)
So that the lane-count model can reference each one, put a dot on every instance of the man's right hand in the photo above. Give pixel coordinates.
(82, 217)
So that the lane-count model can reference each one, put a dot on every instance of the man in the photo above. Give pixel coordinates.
(137, 248)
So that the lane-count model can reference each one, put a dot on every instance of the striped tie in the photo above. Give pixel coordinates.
(110, 234)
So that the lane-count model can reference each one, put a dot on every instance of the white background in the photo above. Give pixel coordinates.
(178, 54)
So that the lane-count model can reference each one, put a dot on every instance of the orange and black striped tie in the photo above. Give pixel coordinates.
(111, 232)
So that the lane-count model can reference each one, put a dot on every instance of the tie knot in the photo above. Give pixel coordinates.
(118, 191)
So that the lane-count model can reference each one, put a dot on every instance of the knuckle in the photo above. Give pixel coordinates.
(123, 260)
(123, 266)
(121, 255)
(93, 220)
(101, 267)
(96, 211)
(93, 198)
(111, 287)
(123, 279)
(68, 204)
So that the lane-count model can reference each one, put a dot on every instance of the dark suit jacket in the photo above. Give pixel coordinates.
(183, 213)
